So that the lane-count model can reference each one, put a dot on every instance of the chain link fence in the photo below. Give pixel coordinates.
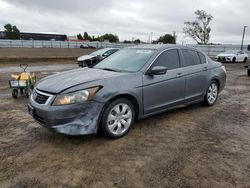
(210, 50)
(59, 44)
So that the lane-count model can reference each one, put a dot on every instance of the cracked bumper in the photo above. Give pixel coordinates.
(74, 119)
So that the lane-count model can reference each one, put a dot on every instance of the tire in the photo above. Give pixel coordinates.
(218, 59)
(211, 94)
(14, 93)
(118, 118)
(248, 72)
(80, 64)
(234, 60)
(27, 92)
(245, 60)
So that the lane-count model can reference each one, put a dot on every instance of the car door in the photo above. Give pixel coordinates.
(164, 91)
(196, 73)
(241, 56)
(238, 56)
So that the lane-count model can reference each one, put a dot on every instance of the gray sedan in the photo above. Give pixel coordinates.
(133, 83)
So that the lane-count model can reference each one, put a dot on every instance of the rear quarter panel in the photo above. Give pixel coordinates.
(217, 73)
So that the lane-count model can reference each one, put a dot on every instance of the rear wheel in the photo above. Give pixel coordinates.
(211, 94)
(248, 72)
(27, 92)
(14, 93)
(118, 118)
(245, 60)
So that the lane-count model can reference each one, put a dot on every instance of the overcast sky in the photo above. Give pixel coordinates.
(128, 19)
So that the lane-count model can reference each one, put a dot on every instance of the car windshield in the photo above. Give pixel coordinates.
(126, 60)
(98, 52)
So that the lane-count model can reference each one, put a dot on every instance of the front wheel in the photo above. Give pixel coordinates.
(211, 94)
(234, 60)
(118, 118)
(245, 60)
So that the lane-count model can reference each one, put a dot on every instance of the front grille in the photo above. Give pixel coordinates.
(40, 98)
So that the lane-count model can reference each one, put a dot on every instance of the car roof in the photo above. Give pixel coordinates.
(110, 48)
(159, 47)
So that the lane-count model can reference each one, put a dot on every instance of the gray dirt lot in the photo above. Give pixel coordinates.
(42, 52)
(194, 146)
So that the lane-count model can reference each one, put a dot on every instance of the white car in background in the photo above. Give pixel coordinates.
(232, 56)
(95, 57)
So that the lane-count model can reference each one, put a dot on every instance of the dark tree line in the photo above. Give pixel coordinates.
(11, 32)
(106, 37)
(166, 39)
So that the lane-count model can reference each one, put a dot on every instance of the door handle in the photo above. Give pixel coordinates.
(179, 74)
(205, 68)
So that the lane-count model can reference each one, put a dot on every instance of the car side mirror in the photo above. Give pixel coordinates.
(157, 70)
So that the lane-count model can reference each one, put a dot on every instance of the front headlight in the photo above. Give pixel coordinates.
(76, 97)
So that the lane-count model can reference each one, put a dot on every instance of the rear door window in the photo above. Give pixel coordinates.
(190, 57)
(169, 59)
(202, 58)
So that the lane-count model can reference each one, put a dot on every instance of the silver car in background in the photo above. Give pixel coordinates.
(133, 83)
(95, 57)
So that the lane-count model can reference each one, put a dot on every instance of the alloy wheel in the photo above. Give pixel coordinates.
(119, 119)
(212, 93)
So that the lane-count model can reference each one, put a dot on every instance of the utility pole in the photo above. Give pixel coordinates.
(174, 35)
(151, 36)
(243, 36)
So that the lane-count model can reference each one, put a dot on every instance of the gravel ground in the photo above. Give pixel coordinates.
(194, 146)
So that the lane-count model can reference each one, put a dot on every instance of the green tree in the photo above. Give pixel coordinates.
(12, 32)
(109, 37)
(137, 41)
(199, 29)
(79, 36)
(167, 38)
(86, 36)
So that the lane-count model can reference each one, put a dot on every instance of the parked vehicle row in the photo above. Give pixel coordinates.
(131, 84)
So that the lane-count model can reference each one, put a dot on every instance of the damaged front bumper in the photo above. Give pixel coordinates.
(73, 119)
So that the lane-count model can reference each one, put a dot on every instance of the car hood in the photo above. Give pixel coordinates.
(60, 82)
(225, 55)
(84, 57)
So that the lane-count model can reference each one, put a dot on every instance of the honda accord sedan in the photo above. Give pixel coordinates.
(134, 83)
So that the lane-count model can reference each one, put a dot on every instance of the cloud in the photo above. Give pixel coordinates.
(128, 19)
